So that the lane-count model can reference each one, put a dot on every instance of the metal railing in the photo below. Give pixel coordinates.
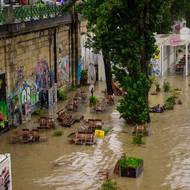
(14, 14)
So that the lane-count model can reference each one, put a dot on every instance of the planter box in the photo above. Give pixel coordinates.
(131, 172)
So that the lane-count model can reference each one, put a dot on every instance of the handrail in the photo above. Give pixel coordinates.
(14, 14)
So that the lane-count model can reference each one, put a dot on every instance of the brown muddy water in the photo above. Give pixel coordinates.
(58, 165)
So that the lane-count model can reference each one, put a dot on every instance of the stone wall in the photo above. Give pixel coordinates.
(28, 63)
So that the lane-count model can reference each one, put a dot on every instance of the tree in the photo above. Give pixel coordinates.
(124, 31)
(98, 36)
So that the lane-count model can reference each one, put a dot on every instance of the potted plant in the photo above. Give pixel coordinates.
(166, 86)
(130, 166)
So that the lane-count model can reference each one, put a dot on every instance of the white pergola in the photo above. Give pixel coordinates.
(174, 40)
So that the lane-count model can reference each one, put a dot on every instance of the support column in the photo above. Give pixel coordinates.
(162, 60)
(186, 61)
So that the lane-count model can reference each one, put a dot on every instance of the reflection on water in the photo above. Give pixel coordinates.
(58, 165)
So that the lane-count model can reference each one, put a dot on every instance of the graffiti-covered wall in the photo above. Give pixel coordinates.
(63, 63)
(28, 61)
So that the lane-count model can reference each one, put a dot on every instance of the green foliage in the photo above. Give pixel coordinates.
(71, 88)
(170, 102)
(133, 107)
(61, 95)
(137, 139)
(157, 87)
(84, 77)
(93, 100)
(128, 41)
(166, 86)
(109, 185)
(132, 162)
(57, 133)
(38, 112)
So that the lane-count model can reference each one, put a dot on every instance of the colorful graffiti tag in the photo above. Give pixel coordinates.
(42, 74)
(3, 104)
(63, 71)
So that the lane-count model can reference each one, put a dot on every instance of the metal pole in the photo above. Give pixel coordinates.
(186, 61)
(162, 60)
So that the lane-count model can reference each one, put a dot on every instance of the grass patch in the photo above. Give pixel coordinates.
(57, 133)
(38, 112)
(137, 139)
(132, 162)
(109, 185)
(61, 95)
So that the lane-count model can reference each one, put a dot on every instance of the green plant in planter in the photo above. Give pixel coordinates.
(157, 87)
(132, 162)
(38, 112)
(61, 95)
(93, 100)
(137, 139)
(57, 133)
(84, 77)
(166, 86)
(170, 102)
(109, 185)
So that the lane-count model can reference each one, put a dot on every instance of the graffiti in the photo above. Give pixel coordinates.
(63, 71)
(3, 104)
(42, 75)
(19, 78)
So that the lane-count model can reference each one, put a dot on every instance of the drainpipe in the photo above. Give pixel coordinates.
(76, 47)
(55, 54)
(72, 48)
(186, 61)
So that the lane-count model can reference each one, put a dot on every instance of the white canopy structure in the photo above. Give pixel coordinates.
(168, 44)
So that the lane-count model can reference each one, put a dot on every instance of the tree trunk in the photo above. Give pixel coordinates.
(108, 74)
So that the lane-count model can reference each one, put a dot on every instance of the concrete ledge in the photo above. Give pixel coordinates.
(15, 29)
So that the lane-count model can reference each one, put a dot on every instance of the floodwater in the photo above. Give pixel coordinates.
(58, 165)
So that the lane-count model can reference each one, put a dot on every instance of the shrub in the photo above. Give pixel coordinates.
(109, 185)
(93, 100)
(166, 86)
(71, 88)
(84, 77)
(57, 133)
(133, 105)
(170, 102)
(61, 95)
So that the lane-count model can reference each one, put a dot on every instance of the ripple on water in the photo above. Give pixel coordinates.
(179, 176)
(79, 170)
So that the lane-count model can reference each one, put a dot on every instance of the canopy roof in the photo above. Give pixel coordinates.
(172, 39)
